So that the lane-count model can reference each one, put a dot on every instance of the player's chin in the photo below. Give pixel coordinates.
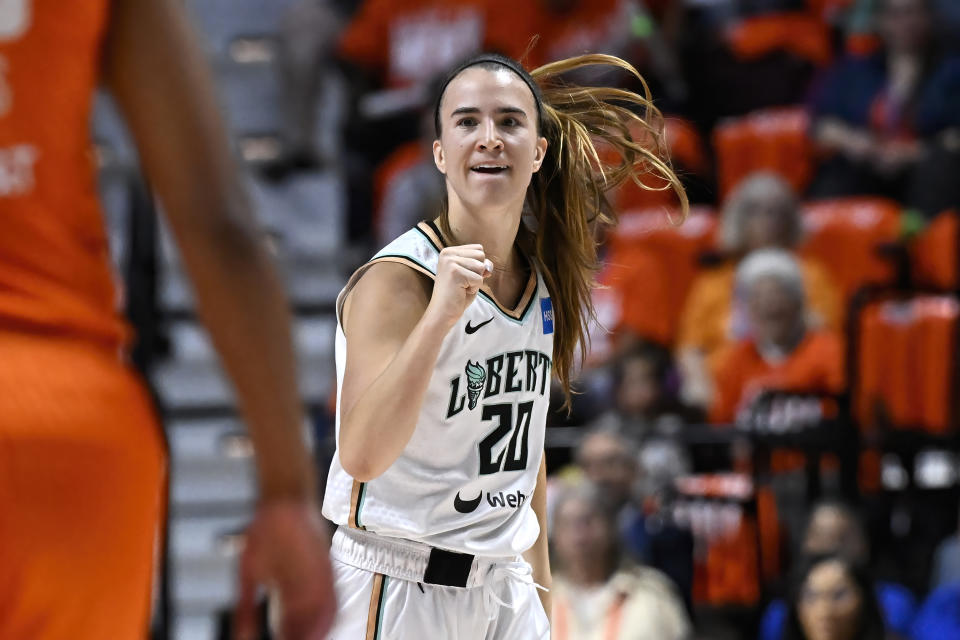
(496, 194)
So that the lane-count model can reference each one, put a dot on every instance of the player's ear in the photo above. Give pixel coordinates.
(540, 154)
(438, 158)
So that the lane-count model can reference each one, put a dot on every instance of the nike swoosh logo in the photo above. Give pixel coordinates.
(471, 329)
(466, 506)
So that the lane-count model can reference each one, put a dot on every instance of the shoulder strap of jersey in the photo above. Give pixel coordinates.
(418, 249)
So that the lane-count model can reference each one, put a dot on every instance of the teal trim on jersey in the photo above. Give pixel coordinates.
(360, 499)
(380, 607)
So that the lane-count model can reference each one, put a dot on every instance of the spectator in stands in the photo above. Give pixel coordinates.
(389, 50)
(644, 402)
(727, 78)
(890, 119)
(780, 351)
(630, 476)
(596, 595)
(761, 213)
(834, 527)
(609, 460)
(833, 599)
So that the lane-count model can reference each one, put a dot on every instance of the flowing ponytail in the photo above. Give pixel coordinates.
(598, 138)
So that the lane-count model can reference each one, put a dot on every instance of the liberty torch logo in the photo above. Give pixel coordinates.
(475, 378)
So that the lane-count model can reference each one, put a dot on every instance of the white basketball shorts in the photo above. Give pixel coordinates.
(387, 590)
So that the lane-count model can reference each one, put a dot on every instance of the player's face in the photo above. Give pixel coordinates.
(489, 147)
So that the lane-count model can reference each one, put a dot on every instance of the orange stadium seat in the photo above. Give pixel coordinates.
(934, 253)
(803, 34)
(766, 140)
(905, 364)
(725, 537)
(657, 262)
(844, 234)
(688, 155)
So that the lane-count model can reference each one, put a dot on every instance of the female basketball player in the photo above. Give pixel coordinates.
(82, 459)
(446, 344)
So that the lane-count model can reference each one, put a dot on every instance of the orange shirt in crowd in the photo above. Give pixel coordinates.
(740, 372)
(55, 273)
(706, 321)
(411, 41)
(587, 27)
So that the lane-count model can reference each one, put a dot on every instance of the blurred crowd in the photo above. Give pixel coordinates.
(764, 440)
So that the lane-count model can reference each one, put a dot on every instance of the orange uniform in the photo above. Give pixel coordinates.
(816, 365)
(411, 41)
(81, 455)
(706, 321)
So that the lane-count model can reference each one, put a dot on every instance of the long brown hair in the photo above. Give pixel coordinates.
(598, 138)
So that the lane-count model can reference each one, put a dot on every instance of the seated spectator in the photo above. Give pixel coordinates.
(890, 119)
(596, 595)
(834, 528)
(832, 599)
(644, 403)
(726, 82)
(609, 461)
(628, 476)
(761, 213)
(939, 617)
(780, 351)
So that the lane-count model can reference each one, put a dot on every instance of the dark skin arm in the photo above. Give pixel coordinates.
(159, 77)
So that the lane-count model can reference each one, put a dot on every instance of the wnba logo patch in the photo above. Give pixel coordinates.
(546, 308)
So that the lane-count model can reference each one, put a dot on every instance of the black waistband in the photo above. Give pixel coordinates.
(448, 568)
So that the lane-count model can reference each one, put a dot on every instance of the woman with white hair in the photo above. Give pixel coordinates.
(781, 350)
(762, 213)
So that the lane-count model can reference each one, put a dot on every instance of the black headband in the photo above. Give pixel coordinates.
(490, 58)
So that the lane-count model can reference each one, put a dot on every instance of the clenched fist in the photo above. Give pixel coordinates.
(460, 274)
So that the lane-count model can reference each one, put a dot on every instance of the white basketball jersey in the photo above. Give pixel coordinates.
(465, 480)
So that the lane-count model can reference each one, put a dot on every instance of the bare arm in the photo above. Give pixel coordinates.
(539, 554)
(159, 78)
(833, 134)
(395, 326)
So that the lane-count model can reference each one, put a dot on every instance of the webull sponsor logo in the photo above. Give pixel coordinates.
(494, 499)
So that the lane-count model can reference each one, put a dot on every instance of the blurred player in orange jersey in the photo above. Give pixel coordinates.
(81, 458)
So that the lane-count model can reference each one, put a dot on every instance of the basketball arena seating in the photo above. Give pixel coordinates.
(646, 245)
(766, 140)
(803, 34)
(848, 235)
